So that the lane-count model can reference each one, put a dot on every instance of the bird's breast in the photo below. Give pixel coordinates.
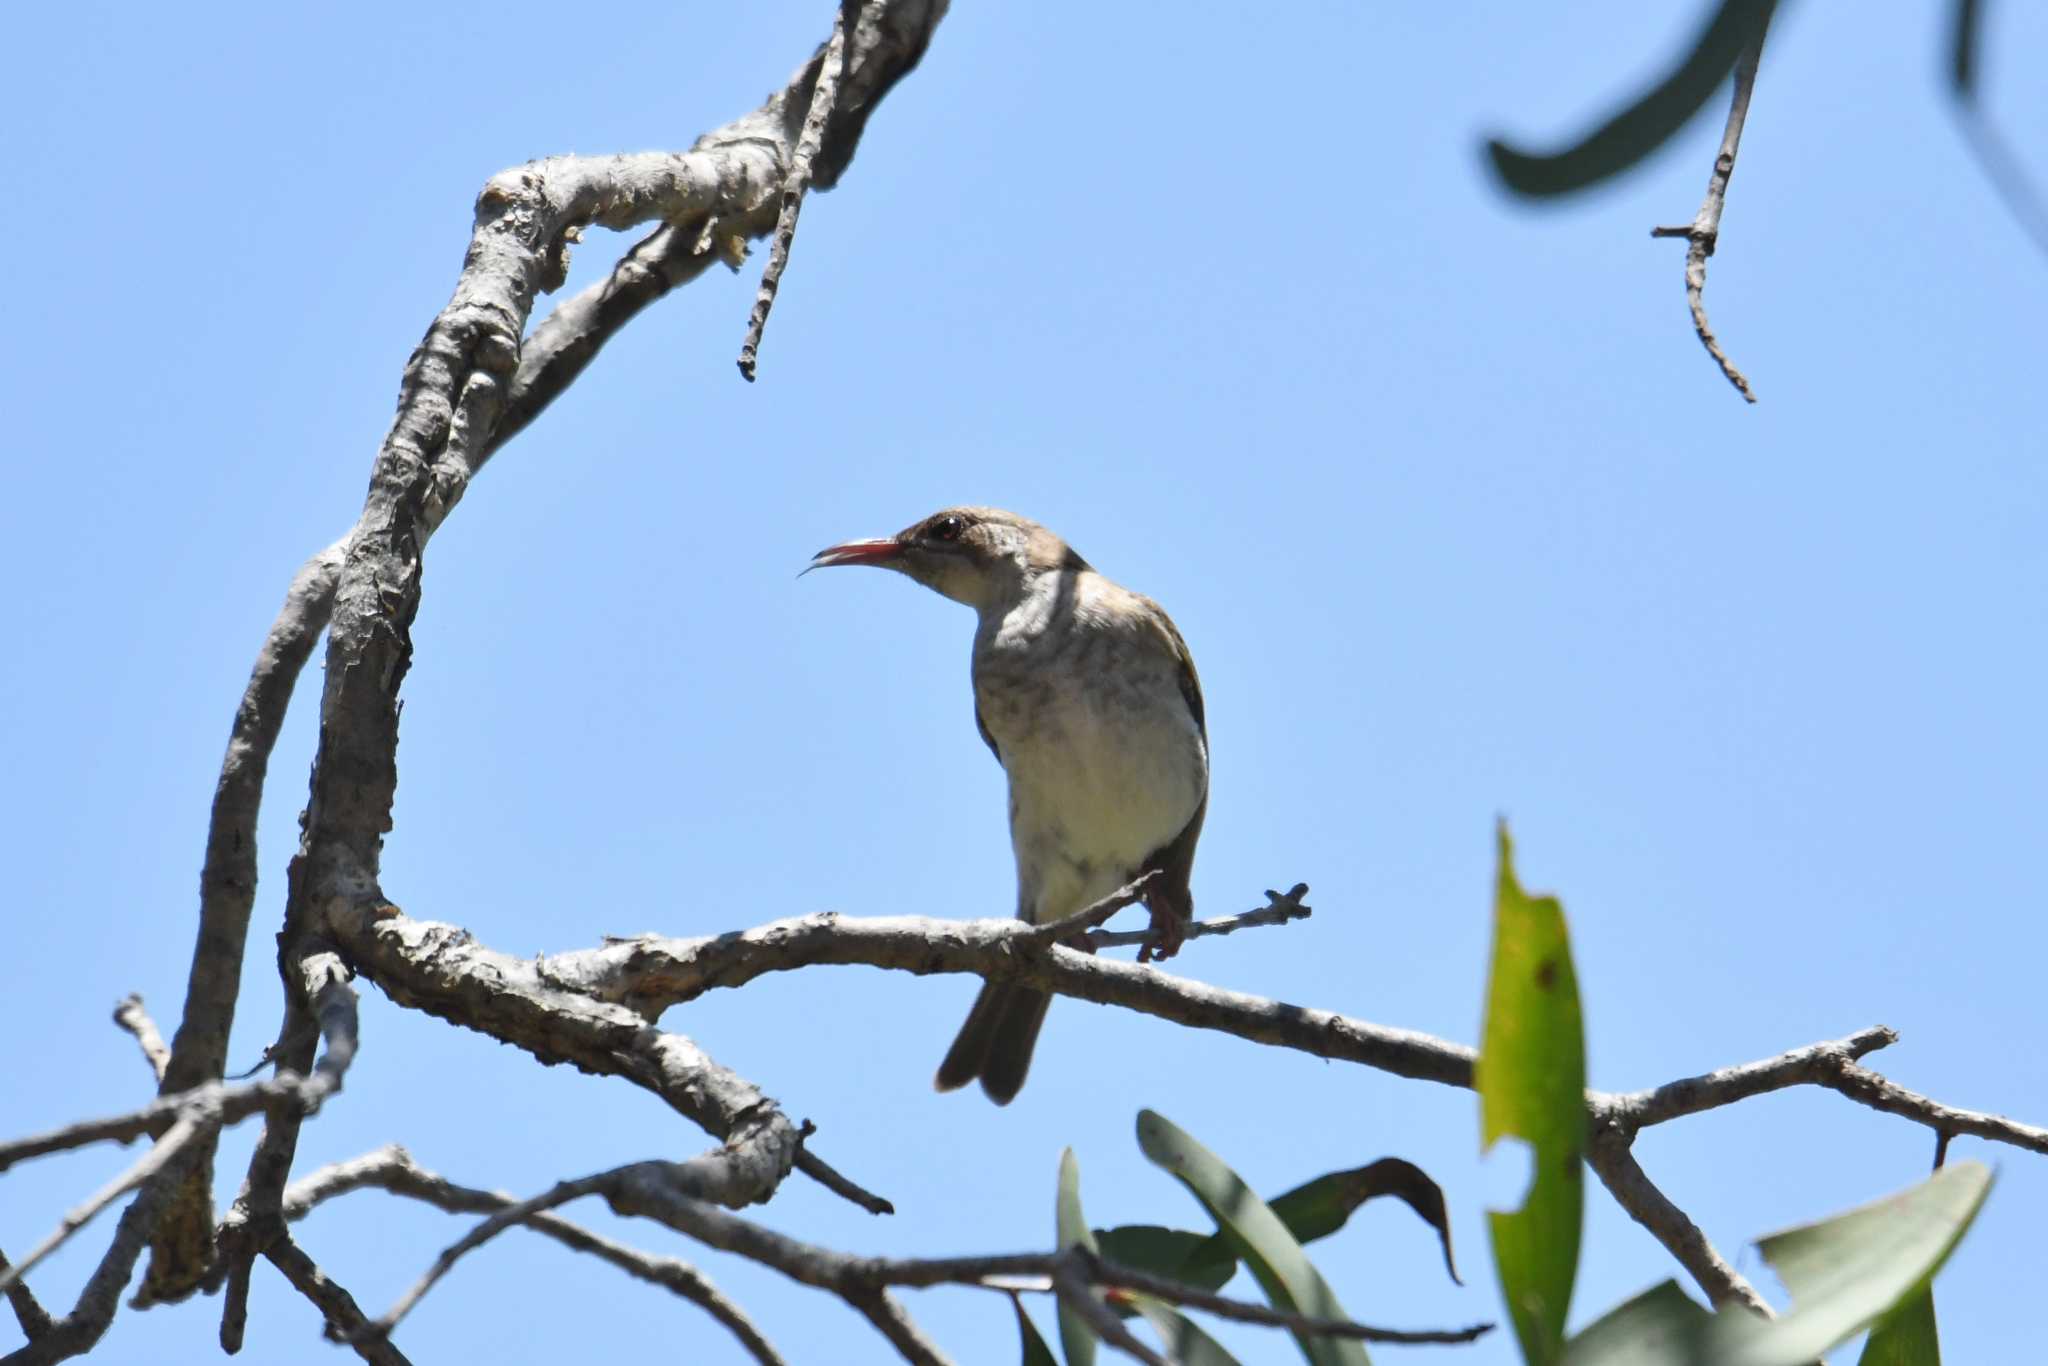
(1106, 762)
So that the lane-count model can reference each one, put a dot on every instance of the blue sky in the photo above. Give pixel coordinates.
(1456, 516)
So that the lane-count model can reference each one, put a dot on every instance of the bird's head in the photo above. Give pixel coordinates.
(977, 556)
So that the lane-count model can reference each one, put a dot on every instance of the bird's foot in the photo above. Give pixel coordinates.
(1168, 932)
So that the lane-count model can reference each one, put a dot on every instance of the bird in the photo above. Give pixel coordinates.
(1088, 697)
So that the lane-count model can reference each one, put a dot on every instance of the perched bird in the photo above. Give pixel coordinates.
(1088, 697)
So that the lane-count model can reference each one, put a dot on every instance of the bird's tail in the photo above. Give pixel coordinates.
(996, 1042)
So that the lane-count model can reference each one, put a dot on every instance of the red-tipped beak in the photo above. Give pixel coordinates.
(880, 550)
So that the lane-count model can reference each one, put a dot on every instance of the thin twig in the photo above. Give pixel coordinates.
(1704, 233)
(1088, 917)
(76, 1332)
(1074, 1291)
(1279, 910)
(130, 1015)
(189, 1126)
(392, 1169)
(1815, 1064)
(826, 1175)
(796, 182)
(518, 1212)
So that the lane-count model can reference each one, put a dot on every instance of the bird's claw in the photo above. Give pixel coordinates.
(1168, 932)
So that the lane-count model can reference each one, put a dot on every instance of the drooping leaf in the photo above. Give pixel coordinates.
(1186, 1344)
(1035, 1352)
(1312, 1210)
(1320, 1207)
(1531, 1079)
(1850, 1271)
(1282, 1269)
(1660, 1327)
(1203, 1260)
(1646, 124)
(1077, 1339)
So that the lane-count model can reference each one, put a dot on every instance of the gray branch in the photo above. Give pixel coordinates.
(469, 387)
(130, 1015)
(650, 1190)
(1703, 234)
(1609, 1156)
(28, 1310)
(345, 1319)
(392, 1169)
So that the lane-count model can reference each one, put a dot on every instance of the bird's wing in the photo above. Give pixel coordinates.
(988, 739)
(1190, 683)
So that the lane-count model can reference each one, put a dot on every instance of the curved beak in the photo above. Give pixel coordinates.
(880, 550)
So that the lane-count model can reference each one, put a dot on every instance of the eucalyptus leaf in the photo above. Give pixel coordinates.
(1648, 122)
(1531, 1078)
(1283, 1270)
(1186, 1344)
(1906, 1337)
(1660, 1327)
(1035, 1352)
(1077, 1339)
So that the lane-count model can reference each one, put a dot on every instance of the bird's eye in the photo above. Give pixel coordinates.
(948, 528)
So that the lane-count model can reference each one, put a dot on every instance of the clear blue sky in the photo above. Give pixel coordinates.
(1456, 516)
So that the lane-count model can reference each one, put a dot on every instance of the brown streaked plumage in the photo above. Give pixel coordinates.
(1088, 697)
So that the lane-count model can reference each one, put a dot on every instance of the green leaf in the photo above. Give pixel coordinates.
(1660, 1327)
(1322, 1206)
(1871, 1265)
(1036, 1353)
(1531, 1079)
(1186, 1344)
(1283, 1270)
(1649, 122)
(1315, 1209)
(1906, 1337)
(1850, 1271)
(1077, 1339)
(1198, 1259)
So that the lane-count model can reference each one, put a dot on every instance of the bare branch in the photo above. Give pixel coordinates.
(446, 972)
(641, 1190)
(181, 1246)
(1608, 1155)
(818, 109)
(1704, 233)
(1867, 1087)
(822, 1172)
(893, 1322)
(191, 1124)
(1281, 909)
(322, 1005)
(76, 1333)
(28, 1311)
(517, 1212)
(1074, 1291)
(234, 1103)
(345, 1319)
(1834, 1065)
(393, 1169)
(1069, 927)
(130, 1015)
